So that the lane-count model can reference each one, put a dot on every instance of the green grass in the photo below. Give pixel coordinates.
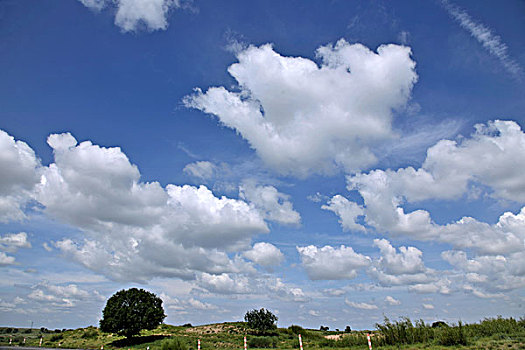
(490, 334)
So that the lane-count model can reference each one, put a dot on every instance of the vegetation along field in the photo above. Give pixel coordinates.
(492, 333)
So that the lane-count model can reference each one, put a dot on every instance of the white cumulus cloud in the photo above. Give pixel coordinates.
(137, 230)
(133, 15)
(265, 254)
(302, 118)
(274, 205)
(493, 157)
(329, 263)
(392, 301)
(18, 177)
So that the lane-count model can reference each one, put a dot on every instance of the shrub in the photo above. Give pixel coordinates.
(56, 337)
(262, 342)
(295, 329)
(450, 336)
(358, 339)
(323, 328)
(438, 324)
(90, 333)
(348, 329)
(173, 344)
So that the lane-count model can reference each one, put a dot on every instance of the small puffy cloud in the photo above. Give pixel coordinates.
(428, 306)
(314, 313)
(6, 260)
(225, 284)
(265, 254)
(203, 170)
(186, 304)
(274, 205)
(441, 286)
(392, 301)
(347, 211)
(19, 175)
(407, 261)
(329, 263)
(95, 5)
(317, 197)
(362, 306)
(286, 292)
(302, 118)
(11, 242)
(405, 267)
(133, 15)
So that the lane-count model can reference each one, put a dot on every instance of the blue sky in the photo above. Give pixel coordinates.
(331, 161)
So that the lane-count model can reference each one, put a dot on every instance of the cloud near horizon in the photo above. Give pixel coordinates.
(133, 230)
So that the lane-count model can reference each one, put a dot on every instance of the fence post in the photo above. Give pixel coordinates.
(300, 342)
(369, 341)
(245, 344)
(198, 344)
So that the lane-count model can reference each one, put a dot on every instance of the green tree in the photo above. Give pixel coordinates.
(127, 312)
(261, 320)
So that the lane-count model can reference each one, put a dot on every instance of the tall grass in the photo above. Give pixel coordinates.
(404, 331)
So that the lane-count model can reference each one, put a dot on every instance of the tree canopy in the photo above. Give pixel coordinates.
(127, 312)
(261, 320)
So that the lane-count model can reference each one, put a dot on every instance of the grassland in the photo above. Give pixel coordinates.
(490, 334)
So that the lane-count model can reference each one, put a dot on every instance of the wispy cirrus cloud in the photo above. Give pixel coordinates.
(485, 37)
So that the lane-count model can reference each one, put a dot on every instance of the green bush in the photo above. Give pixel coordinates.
(174, 344)
(90, 333)
(347, 341)
(262, 342)
(295, 329)
(450, 336)
(56, 337)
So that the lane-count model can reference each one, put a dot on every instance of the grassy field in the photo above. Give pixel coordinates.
(498, 333)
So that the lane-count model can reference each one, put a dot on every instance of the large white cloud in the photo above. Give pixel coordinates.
(302, 118)
(493, 158)
(18, 177)
(329, 263)
(136, 230)
(132, 15)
